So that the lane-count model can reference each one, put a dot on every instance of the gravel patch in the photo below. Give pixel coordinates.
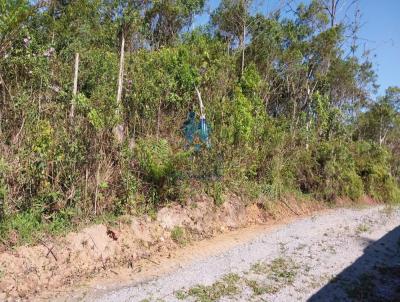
(343, 255)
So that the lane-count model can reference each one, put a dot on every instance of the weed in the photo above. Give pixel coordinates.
(181, 294)
(259, 268)
(362, 228)
(283, 271)
(260, 289)
(149, 300)
(279, 270)
(216, 190)
(179, 236)
(329, 248)
(226, 287)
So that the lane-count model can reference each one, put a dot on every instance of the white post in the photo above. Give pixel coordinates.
(119, 129)
(200, 102)
(121, 72)
(75, 89)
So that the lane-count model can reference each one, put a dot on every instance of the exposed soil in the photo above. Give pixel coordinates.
(58, 265)
(337, 255)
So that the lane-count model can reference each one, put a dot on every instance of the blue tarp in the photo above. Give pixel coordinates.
(191, 128)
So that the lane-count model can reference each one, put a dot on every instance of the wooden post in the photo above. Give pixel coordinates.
(200, 102)
(243, 47)
(121, 72)
(3, 90)
(75, 89)
(119, 129)
(158, 119)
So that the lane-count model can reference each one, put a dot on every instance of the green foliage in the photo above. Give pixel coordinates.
(216, 190)
(242, 121)
(162, 167)
(250, 81)
(27, 227)
(230, 16)
(295, 120)
(226, 287)
(328, 119)
(156, 159)
(166, 18)
(329, 172)
(373, 166)
(178, 235)
(339, 173)
(12, 14)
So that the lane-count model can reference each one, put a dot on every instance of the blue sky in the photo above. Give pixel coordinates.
(380, 33)
(381, 29)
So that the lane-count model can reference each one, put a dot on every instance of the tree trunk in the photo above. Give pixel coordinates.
(332, 13)
(158, 119)
(243, 42)
(294, 113)
(380, 132)
(3, 103)
(3, 90)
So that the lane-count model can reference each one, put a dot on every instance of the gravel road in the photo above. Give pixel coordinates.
(339, 255)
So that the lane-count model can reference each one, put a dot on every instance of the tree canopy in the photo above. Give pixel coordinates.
(291, 108)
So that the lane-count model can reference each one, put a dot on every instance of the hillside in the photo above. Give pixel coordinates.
(100, 118)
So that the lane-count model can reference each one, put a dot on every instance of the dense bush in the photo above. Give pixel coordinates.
(288, 112)
(373, 167)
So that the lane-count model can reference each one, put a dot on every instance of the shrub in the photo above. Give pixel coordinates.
(328, 171)
(156, 159)
(22, 227)
(178, 235)
(374, 168)
(161, 167)
(242, 120)
(216, 191)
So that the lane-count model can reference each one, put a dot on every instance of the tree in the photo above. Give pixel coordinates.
(166, 18)
(382, 119)
(331, 6)
(13, 13)
(288, 100)
(231, 19)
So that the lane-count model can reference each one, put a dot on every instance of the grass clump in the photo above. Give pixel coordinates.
(181, 294)
(27, 227)
(226, 287)
(179, 235)
(362, 228)
(261, 289)
(280, 270)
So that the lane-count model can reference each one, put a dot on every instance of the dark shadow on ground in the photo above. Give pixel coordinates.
(373, 277)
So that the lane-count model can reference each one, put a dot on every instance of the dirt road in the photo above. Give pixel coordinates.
(340, 255)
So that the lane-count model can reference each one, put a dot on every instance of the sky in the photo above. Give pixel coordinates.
(379, 33)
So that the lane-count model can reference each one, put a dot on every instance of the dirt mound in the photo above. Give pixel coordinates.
(26, 271)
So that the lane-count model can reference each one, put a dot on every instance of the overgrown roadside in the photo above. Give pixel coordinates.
(66, 261)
